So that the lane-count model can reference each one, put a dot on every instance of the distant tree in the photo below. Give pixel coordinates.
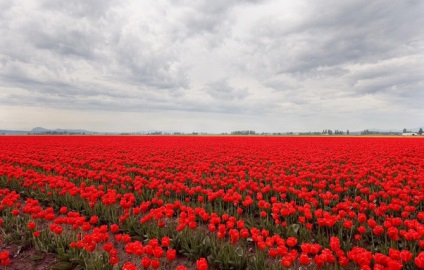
(420, 132)
(330, 132)
(347, 132)
(404, 130)
(243, 132)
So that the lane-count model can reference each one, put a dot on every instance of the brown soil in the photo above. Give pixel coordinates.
(29, 259)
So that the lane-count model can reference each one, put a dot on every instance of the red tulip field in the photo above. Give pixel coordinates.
(213, 202)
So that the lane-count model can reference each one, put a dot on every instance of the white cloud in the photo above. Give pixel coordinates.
(240, 64)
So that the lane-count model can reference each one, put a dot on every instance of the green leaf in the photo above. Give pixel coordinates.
(239, 251)
(62, 266)
(294, 227)
(63, 256)
(76, 261)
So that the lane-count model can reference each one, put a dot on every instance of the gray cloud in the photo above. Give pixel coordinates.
(222, 90)
(299, 61)
(94, 9)
(349, 32)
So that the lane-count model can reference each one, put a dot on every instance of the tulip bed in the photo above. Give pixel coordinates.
(199, 202)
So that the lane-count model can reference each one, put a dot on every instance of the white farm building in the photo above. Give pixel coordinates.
(410, 134)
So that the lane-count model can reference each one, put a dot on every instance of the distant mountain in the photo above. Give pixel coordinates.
(40, 130)
(11, 132)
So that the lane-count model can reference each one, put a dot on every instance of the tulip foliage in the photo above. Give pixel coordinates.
(199, 202)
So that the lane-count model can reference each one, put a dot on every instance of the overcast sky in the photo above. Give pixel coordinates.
(212, 66)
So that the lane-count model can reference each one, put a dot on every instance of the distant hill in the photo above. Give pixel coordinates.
(11, 132)
(41, 130)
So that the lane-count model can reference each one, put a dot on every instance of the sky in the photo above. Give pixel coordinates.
(211, 66)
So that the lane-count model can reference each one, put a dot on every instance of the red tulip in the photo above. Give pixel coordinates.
(171, 254)
(291, 241)
(155, 263)
(114, 228)
(406, 256)
(378, 230)
(202, 264)
(31, 225)
(145, 262)
(304, 259)
(419, 260)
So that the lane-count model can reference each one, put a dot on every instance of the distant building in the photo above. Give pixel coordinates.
(410, 134)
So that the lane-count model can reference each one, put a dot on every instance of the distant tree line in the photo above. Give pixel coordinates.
(336, 132)
(373, 132)
(243, 132)
(314, 133)
(420, 131)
